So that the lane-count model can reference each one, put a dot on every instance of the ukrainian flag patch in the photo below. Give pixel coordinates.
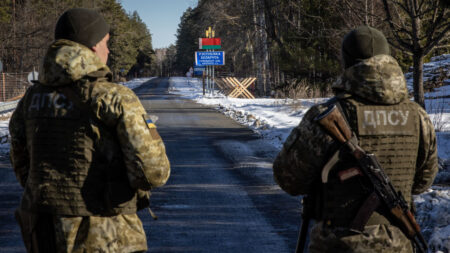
(149, 122)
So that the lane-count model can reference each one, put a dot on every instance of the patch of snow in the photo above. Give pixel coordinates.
(436, 66)
(4, 137)
(434, 217)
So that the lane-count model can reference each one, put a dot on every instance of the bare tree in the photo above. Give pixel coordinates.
(417, 26)
(262, 52)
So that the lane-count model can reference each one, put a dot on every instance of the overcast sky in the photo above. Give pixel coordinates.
(161, 16)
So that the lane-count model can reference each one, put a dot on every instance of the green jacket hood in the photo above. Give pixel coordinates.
(67, 62)
(378, 79)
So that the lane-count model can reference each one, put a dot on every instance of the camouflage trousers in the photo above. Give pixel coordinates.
(374, 239)
(121, 233)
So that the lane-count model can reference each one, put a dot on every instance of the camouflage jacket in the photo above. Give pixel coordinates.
(378, 80)
(80, 145)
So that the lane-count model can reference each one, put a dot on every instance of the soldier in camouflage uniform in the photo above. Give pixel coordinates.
(82, 148)
(373, 96)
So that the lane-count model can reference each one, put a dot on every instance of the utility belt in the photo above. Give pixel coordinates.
(339, 222)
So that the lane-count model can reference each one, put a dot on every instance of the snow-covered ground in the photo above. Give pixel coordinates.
(437, 66)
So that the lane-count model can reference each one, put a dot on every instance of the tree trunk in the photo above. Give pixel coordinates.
(366, 19)
(261, 50)
(265, 52)
(418, 55)
(252, 51)
(418, 79)
(258, 60)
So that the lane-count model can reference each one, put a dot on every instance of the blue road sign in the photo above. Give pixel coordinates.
(203, 58)
(198, 71)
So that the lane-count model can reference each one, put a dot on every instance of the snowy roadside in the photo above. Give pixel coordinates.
(273, 120)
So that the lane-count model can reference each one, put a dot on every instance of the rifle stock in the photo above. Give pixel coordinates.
(335, 124)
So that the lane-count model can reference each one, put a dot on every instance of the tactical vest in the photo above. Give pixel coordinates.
(76, 164)
(391, 132)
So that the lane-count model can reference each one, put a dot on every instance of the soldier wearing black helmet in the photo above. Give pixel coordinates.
(373, 97)
(82, 149)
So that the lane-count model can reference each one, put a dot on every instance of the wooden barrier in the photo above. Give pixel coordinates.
(234, 88)
(225, 87)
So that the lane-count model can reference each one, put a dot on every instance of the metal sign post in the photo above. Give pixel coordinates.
(210, 34)
(213, 80)
(207, 78)
(210, 80)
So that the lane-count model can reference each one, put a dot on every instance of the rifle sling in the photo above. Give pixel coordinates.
(334, 160)
(329, 165)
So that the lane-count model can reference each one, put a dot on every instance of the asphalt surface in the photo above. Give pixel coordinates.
(217, 199)
(10, 193)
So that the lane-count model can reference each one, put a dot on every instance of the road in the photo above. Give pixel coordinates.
(10, 193)
(220, 197)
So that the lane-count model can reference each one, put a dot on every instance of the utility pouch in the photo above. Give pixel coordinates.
(143, 199)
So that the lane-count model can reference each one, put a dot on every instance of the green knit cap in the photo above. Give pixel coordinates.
(81, 25)
(362, 43)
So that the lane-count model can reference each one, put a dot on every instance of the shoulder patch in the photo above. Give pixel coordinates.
(148, 121)
(151, 126)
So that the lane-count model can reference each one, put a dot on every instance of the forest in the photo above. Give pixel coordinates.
(27, 29)
(292, 47)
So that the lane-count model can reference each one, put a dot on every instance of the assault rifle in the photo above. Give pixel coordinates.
(383, 191)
